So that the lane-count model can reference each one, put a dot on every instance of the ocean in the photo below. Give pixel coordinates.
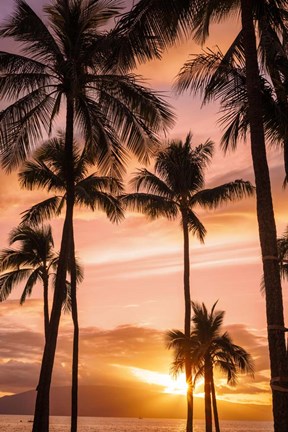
(107, 424)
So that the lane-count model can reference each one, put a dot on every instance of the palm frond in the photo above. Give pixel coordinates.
(43, 210)
(101, 184)
(103, 201)
(195, 226)
(151, 183)
(102, 142)
(31, 281)
(15, 258)
(11, 85)
(10, 279)
(212, 198)
(36, 174)
(151, 205)
(209, 12)
(11, 63)
(136, 112)
(26, 27)
(22, 124)
(163, 20)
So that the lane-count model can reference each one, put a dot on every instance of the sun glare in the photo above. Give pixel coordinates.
(169, 384)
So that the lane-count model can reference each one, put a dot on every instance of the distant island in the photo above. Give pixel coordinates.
(109, 401)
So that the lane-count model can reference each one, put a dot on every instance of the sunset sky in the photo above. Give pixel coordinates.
(132, 290)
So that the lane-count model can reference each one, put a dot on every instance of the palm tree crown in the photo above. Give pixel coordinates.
(48, 170)
(176, 187)
(67, 59)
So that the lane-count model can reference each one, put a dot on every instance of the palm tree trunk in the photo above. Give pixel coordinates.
(187, 323)
(214, 404)
(41, 416)
(46, 304)
(267, 227)
(207, 391)
(74, 394)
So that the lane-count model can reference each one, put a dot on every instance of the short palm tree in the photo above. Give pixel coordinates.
(174, 190)
(48, 171)
(208, 349)
(33, 261)
(64, 62)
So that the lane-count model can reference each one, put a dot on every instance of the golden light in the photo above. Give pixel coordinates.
(169, 384)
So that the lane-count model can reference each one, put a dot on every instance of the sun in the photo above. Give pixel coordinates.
(170, 385)
(167, 383)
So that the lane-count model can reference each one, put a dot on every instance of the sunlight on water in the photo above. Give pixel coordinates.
(101, 424)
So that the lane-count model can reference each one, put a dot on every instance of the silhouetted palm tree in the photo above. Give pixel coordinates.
(31, 262)
(34, 261)
(173, 191)
(48, 171)
(66, 61)
(167, 20)
(208, 349)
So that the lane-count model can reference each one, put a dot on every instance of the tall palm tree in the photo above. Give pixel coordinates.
(173, 191)
(65, 62)
(167, 20)
(48, 171)
(209, 349)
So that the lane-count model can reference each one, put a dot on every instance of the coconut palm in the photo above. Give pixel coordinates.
(167, 20)
(64, 62)
(209, 348)
(48, 171)
(174, 190)
(33, 261)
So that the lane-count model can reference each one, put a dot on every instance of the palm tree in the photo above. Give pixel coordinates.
(66, 63)
(216, 350)
(48, 171)
(174, 190)
(33, 261)
(209, 349)
(167, 20)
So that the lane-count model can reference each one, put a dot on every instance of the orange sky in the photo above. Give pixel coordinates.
(132, 290)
